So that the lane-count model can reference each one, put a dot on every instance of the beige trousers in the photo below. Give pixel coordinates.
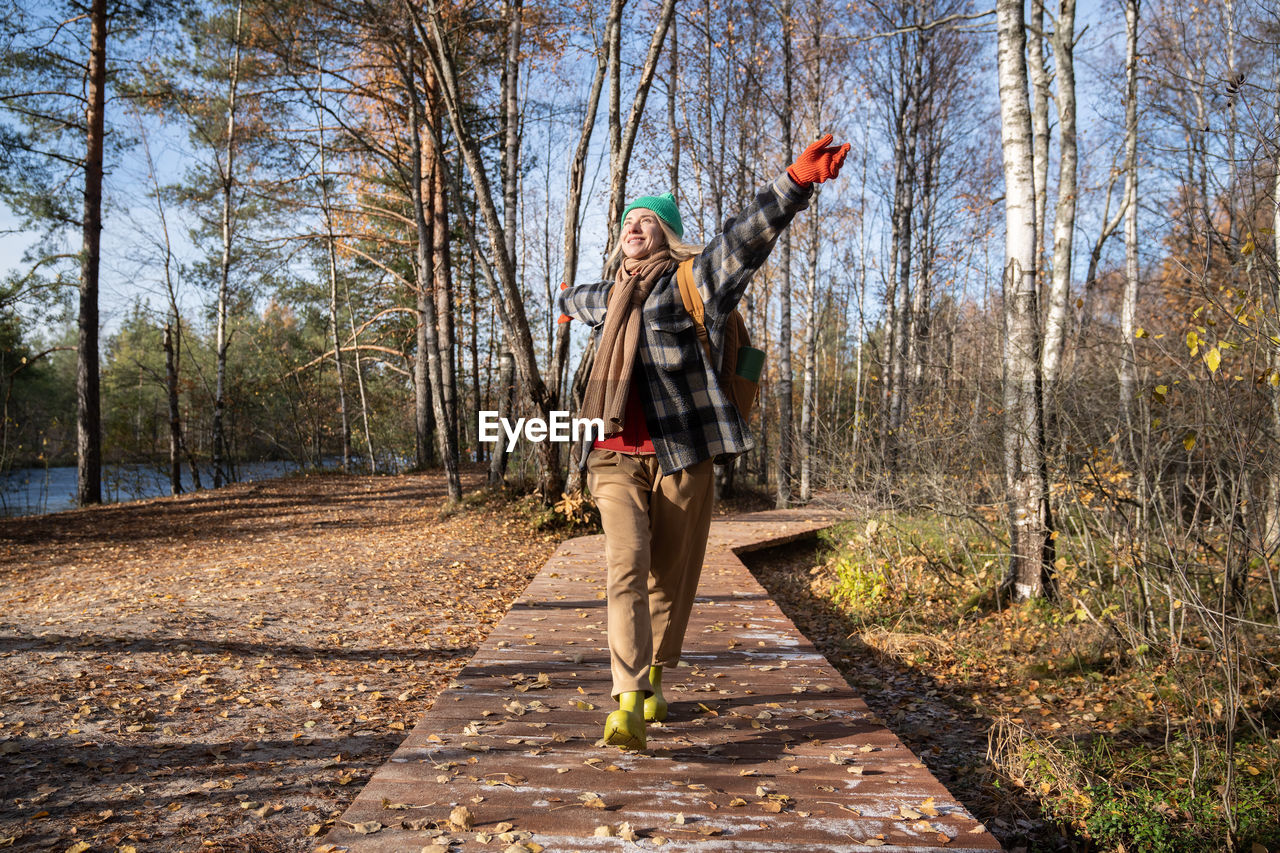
(655, 536)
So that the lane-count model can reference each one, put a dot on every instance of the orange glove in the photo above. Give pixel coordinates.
(564, 318)
(820, 162)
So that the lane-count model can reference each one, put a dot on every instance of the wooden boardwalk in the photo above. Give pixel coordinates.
(766, 747)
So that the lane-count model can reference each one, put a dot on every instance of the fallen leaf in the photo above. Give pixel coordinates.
(369, 827)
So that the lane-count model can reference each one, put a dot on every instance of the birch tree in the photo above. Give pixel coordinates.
(1059, 292)
(785, 370)
(1030, 567)
(227, 182)
(1129, 301)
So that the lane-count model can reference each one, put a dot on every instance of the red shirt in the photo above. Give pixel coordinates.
(634, 439)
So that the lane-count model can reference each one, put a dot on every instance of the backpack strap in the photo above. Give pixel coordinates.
(693, 302)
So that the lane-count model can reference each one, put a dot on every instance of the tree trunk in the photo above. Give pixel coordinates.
(175, 413)
(809, 388)
(224, 279)
(1031, 546)
(785, 371)
(673, 87)
(892, 323)
(423, 421)
(897, 298)
(331, 246)
(506, 399)
(1039, 122)
(1129, 301)
(1065, 217)
(88, 396)
(443, 282)
(473, 300)
(510, 130)
(1271, 530)
(905, 329)
(426, 276)
(922, 298)
(364, 402)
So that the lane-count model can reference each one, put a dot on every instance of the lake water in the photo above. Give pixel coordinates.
(32, 491)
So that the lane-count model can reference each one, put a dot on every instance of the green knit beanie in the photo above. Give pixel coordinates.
(664, 206)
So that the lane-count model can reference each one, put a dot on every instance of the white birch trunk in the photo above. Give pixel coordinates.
(785, 372)
(1039, 118)
(224, 278)
(1065, 218)
(1031, 551)
(1129, 300)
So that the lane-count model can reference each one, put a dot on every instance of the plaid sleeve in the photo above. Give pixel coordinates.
(728, 261)
(586, 302)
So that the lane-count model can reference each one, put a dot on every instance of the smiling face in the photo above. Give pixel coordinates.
(642, 234)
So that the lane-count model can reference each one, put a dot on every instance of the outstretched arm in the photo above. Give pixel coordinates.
(726, 265)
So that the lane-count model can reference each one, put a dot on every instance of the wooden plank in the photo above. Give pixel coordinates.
(766, 747)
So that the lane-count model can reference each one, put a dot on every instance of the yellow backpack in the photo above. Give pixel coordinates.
(742, 364)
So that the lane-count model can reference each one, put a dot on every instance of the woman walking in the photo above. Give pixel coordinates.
(667, 417)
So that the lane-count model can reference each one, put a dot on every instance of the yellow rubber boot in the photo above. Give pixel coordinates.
(624, 728)
(655, 707)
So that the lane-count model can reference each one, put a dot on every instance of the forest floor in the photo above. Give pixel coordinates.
(224, 670)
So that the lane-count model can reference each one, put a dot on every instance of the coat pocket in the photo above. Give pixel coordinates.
(673, 342)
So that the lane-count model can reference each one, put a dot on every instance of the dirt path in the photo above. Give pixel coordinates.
(224, 671)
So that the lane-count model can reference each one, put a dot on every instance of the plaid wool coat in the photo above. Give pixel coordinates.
(689, 415)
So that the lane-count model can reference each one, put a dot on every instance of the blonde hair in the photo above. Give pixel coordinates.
(679, 249)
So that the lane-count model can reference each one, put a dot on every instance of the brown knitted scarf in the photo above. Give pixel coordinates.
(610, 378)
